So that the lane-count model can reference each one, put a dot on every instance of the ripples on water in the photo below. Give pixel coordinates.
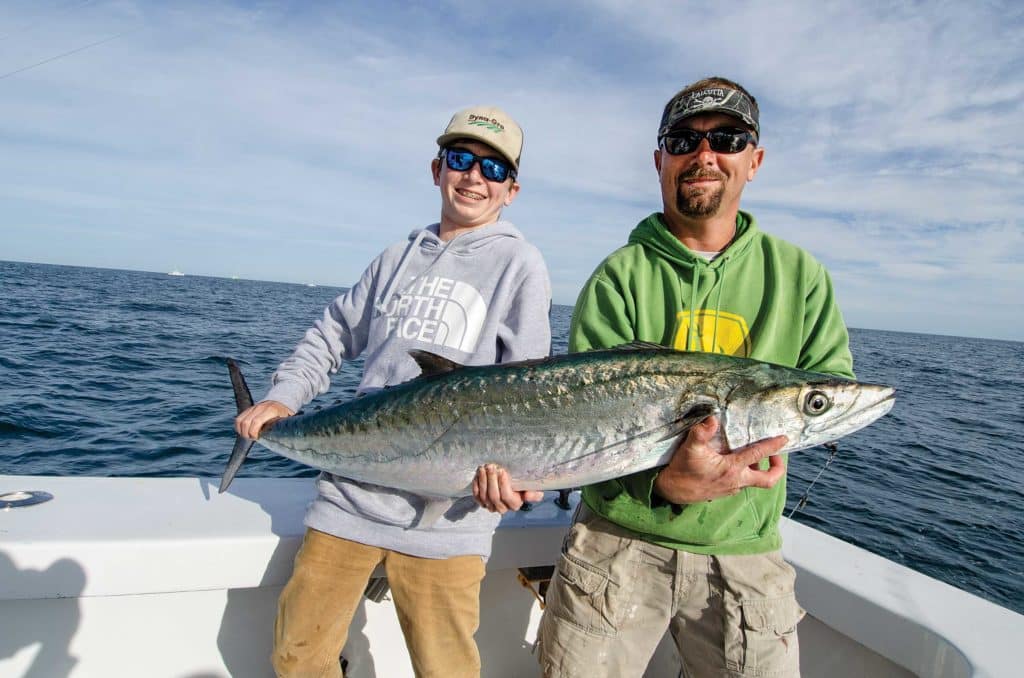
(122, 373)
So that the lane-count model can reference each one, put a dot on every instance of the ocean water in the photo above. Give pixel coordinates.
(117, 373)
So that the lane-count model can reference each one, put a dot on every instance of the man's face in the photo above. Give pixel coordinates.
(467, 198)
(703, 184)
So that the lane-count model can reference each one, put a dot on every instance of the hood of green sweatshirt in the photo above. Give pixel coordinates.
(652, 232)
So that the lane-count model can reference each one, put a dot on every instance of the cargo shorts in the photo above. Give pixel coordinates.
(614, 596)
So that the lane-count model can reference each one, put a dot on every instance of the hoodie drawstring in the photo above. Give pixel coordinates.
(718, 305)
(694, 339)
(693, 305)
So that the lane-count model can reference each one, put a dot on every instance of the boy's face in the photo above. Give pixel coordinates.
(468, 199)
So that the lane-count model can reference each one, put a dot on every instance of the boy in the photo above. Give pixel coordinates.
(469, 288)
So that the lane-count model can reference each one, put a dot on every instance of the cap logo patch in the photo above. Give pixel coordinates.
(487, 123)
(705, 97)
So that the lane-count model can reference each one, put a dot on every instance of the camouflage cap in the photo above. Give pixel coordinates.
(714, 99)
(489, 125)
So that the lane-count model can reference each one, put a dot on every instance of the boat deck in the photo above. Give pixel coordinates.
(165, 577)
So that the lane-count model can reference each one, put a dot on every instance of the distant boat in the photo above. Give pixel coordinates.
(175, 272)
(310, 285)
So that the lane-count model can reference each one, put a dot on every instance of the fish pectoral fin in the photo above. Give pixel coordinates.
(432, 511)
(694, 415)
(431, 363)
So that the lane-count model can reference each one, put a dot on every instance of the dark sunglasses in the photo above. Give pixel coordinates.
(493, 169)
(722, 140)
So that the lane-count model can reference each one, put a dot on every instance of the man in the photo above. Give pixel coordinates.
(694, 547)
(473, 290)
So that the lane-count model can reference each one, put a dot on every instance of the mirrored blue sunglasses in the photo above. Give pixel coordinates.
(493, 169)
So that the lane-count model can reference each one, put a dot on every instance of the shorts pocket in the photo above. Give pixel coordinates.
(761, 637)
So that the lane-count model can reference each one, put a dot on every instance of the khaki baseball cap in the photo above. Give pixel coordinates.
(489, 125)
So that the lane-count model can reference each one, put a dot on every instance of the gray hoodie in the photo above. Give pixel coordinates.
(483, 297)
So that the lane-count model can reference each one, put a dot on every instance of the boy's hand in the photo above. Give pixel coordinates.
(250, 422)
(492, 489)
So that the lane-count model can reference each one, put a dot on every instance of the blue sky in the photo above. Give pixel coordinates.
(292, 141)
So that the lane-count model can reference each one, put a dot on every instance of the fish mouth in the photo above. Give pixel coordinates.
(879, 400)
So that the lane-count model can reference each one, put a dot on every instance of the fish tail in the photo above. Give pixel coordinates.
(243, 400)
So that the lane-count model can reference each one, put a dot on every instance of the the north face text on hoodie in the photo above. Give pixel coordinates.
(439, 311)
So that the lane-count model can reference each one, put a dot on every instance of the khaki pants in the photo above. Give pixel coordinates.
(438, 604)
(614, 597)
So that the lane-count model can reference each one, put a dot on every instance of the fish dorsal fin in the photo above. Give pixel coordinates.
(431, 363)
(640, 346)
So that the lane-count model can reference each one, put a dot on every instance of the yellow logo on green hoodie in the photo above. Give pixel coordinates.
(713, 332)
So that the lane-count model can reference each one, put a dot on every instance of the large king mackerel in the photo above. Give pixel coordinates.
(560, 422)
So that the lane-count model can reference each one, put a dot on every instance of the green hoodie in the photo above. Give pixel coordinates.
(761, 298)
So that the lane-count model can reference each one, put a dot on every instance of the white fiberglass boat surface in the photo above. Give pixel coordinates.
(163, 577)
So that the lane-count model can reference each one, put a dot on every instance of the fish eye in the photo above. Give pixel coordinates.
(816, 403)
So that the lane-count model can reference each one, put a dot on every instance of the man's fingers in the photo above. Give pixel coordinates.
(697, 438)
(704, 431)
(773, 461)
(768, 477)
(755, 452)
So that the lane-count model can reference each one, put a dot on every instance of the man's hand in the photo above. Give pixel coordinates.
(250, 422)
(700, 470)
(492, 489)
